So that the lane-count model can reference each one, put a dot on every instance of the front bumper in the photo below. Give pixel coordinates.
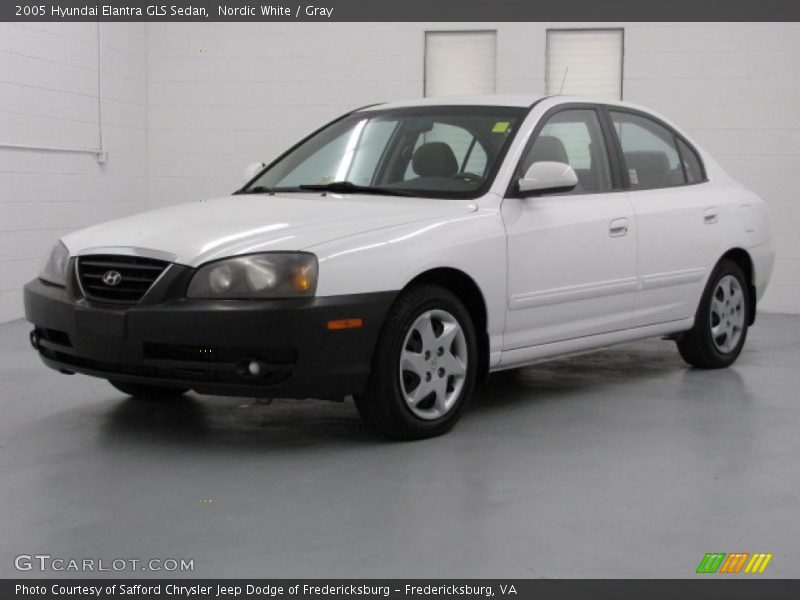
(206, 345)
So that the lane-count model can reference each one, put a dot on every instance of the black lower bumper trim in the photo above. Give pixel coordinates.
(274, 348)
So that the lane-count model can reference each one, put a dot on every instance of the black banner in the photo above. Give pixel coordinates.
(402, 10)
(733, 588)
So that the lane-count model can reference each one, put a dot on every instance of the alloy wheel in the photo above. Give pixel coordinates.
(727, 314)
(433, 364)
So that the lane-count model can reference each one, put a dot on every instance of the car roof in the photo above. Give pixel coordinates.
(514, 100)
(488, 100)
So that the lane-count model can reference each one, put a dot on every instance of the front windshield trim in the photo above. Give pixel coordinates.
(519, 113)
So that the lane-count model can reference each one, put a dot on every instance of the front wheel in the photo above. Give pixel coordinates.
(720, 325)
(423, 370)
(140, 390)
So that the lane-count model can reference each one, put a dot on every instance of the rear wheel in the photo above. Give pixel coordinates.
(140, 390)
(423, 371)
(720, 325)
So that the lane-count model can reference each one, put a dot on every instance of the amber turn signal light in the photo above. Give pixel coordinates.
(345, 324)
(301, 281)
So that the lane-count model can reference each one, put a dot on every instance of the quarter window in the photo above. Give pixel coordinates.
(691, 163)
(651, 156)
(573, 137)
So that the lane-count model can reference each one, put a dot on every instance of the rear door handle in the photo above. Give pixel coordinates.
(618, 227)
(710, 215)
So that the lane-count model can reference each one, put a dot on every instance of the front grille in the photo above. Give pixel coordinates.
(118, 279)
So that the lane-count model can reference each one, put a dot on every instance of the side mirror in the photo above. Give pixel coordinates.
(252, 170)
(548, 176)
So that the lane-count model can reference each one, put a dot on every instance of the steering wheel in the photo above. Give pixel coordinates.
(468, 177)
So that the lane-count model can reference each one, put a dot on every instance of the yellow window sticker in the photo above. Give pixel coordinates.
(500, 127)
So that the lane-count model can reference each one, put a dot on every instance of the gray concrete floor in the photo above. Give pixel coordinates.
(621, 463)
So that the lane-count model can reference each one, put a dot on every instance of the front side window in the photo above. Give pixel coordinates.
(651, 156)
(573, 137)
(436, 152)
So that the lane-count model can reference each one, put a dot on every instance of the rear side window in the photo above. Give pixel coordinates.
(691, 163)
(651, 155)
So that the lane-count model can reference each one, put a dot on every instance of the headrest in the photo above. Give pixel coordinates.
(547, 148)
(649, 168)
(434, 159)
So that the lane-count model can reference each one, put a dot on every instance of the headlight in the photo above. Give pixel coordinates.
(55, 269)
(268, 275)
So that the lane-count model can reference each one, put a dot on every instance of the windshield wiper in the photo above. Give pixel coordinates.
(259, 189)
(348, 187)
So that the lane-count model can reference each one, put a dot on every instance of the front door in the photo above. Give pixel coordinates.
(571, 256)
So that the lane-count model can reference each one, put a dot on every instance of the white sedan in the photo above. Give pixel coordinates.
(405, 250)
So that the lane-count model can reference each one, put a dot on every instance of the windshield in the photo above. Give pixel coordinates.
(437, 152)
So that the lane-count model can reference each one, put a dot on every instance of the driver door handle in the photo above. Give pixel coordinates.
(618, 227)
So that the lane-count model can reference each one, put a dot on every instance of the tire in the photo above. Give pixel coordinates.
(417, 388)
(141, 390)
(725, 302)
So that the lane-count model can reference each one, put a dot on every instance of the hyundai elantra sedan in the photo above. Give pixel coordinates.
(405, 250)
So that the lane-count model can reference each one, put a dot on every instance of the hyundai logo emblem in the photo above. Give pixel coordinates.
(112, 278)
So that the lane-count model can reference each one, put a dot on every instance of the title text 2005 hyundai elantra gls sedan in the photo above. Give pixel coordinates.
(405, 250)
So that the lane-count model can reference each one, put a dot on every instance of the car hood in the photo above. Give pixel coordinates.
(197, 232)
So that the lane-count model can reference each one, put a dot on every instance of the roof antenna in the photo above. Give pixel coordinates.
(563, 81)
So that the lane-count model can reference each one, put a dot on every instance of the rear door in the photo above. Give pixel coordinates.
(677, 222)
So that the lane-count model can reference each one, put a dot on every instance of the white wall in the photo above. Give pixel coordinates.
(221, 95)
(209, 98)
(225, 94)
(48, 96)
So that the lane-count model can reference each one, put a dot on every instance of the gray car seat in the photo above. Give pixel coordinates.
(434, 159)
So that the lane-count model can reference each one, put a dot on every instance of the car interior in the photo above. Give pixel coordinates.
(569, 139)
(650, 169)
(439, 154)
